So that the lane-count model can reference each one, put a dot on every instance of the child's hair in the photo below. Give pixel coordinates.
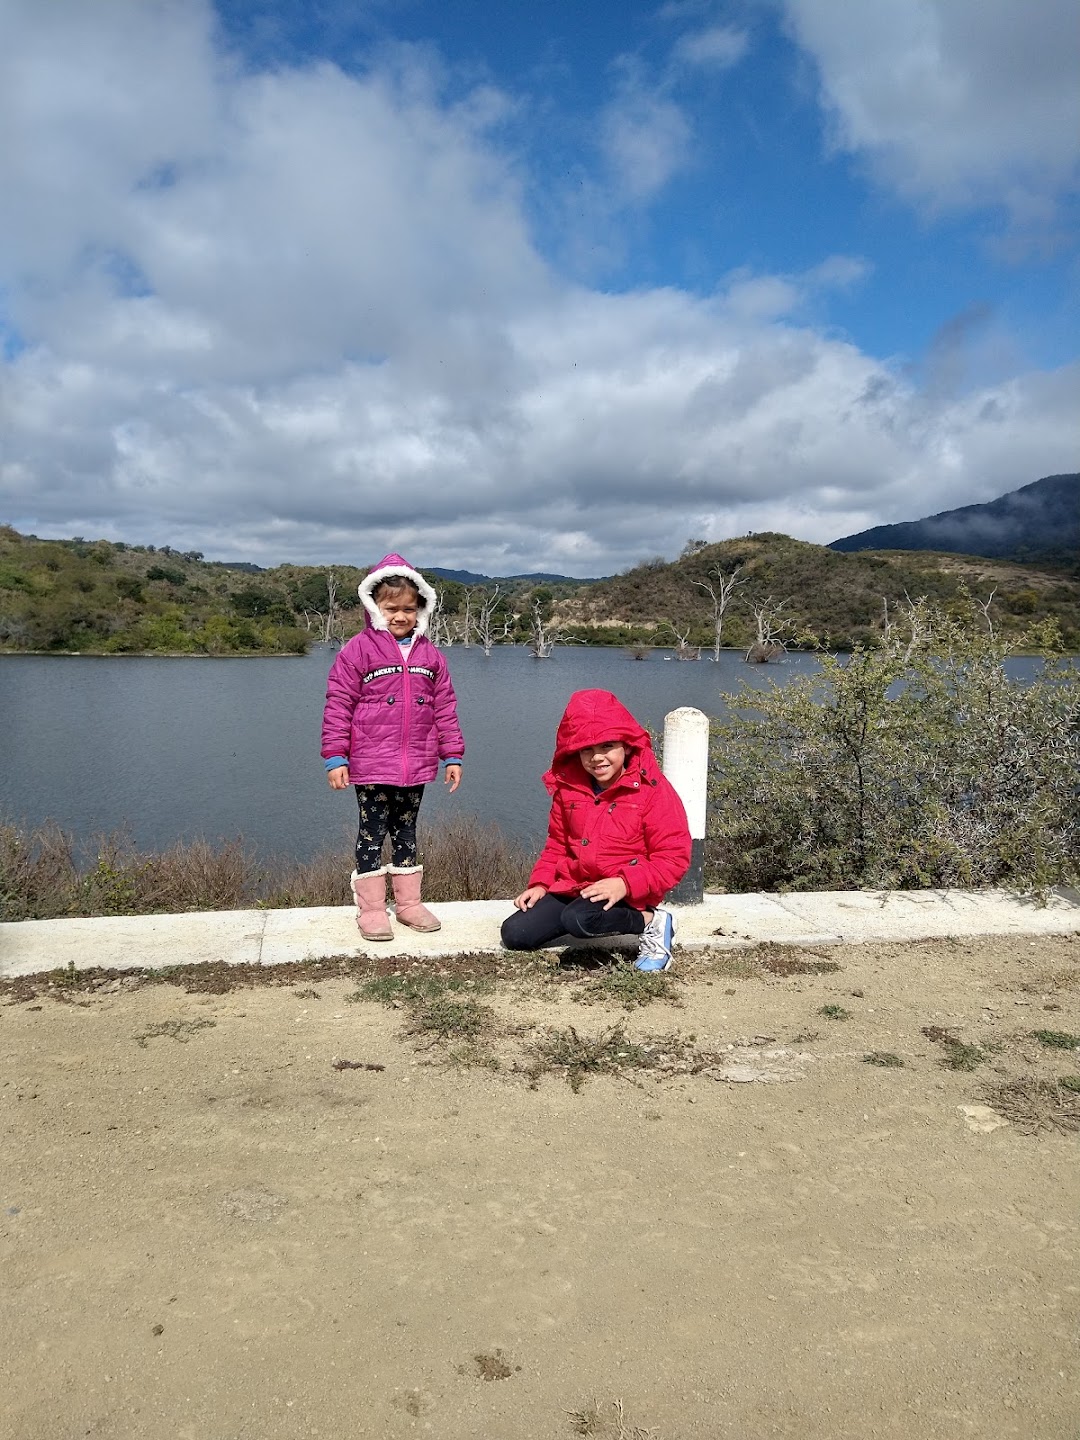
(392, 585)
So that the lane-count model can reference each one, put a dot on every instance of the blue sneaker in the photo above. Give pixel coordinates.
(654, 950)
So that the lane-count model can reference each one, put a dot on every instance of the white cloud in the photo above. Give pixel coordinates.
(714, 47)
(299, 316)
(644, 136)
(956, 103)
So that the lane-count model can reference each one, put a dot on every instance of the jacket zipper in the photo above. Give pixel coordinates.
(406, 692)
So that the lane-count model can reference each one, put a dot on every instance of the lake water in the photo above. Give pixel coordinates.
(169, 749)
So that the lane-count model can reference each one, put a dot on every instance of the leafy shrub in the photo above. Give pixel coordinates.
(167, 573)
(129, 587)
(256, 603)
(915, 764)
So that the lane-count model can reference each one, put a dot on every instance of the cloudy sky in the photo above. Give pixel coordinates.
(514, 286)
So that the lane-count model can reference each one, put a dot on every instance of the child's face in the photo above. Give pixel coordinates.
(399, 610)
(604, 762)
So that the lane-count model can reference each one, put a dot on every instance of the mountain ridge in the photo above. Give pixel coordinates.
(535, 577)
(1037, 522)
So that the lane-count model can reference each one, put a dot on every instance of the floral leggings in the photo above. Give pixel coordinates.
(387, 810)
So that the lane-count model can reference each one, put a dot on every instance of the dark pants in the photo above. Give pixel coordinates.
(568, 915)
(387, 810)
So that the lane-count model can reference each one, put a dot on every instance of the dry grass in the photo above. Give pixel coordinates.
(1035, 1105)
(1046, 982)
(467, 860)
(179, 1030)
(611, 1051)
(607, 1421)
(45, 875)
(788, 960)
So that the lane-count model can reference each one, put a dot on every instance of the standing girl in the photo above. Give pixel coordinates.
(390, 717)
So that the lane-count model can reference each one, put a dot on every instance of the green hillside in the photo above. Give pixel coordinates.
(833, 596)
(97, 597)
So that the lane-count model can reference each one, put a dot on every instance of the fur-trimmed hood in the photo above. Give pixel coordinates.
(395, 565)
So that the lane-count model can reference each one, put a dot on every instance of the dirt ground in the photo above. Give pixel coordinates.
(742, 1228)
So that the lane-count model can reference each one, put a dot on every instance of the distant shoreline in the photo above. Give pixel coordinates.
(153, 654)
(703, 659)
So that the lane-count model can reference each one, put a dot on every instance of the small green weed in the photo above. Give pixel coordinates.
(443, 1018)
(835, 1012)
(960, 1056)
(606, 1052)
(1070, 1082)
(885, 1058)
(399, 990)
(1056, 1039)
(112, 887)
(621, 984)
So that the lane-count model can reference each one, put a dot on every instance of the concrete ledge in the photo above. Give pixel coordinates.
(129, 941)
(859, 915)
(275, 937)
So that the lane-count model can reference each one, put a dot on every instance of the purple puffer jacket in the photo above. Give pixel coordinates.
(393, 721)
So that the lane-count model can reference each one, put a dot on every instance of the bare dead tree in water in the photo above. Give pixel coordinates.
(773, 631)
(545, 634)
(683, 649)
(466, 623)
(486, 625)
(720, 597)
(327, 621)
(441, 629)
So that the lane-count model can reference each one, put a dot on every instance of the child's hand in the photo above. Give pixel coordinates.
(610, 891)
(452, 777)
(528, 898)
(338, 777)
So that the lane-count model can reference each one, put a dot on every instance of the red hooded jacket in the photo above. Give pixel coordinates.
(635, 829)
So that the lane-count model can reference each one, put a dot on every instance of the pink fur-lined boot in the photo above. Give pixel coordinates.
(407, 907)
(369, 892)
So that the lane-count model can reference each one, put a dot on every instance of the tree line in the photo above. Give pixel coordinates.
(761, 594)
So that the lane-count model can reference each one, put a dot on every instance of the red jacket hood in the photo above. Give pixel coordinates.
(590, 717)
(395, 565)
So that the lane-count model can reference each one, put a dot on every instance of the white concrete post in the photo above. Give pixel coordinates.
(686, 765)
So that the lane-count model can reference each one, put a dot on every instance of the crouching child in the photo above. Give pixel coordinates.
(617, 838)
